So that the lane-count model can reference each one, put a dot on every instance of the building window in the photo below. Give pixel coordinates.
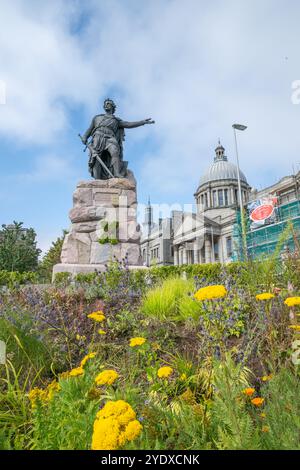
(220, 197)
(205, 200)
(236, 196)
(155, 253)
(214, 198)
(226, 197)
(229, 246)
(216, 250)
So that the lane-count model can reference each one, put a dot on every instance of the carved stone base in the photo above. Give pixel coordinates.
(104, 225)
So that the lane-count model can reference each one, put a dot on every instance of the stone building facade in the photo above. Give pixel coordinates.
(203, 236)
(209, 233)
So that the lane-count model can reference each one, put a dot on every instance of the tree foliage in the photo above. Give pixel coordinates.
(52, 257)
(18, 248)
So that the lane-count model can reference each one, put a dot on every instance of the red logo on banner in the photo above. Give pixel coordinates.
(262, 212)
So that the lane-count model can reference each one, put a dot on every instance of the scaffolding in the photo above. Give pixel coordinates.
(263, 241)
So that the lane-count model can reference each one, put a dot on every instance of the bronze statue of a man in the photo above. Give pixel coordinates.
(106, 145)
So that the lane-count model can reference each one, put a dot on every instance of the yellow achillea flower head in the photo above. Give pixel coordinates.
(266, 378)
(106, 434)
(97, 316)
(249, 391)
(257, 401)
(37, 394)
(75, 372)
(80, 338)
(292, 301)
(133, 430)
(295, 327)
(101, 332)
(164, 372)
(51, 389)
(107, 377)
(211, 292)
(265, 296)
(44, 396)
(86, 358)
(115, 408)
(138, 341)
(115, 425)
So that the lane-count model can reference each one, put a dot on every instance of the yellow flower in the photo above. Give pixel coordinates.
(51, 389)
(183, 377)
(116, 408)
(249, 391)
(164, 372)
(265, 296)
(101, 332)
(257, 401)
(133, 430)
(263, 415)
(115, 424)
(292, 301)
(97, 316)
(265, 429)
(138, 341)
(266, 378)
(80, 338)
(211, 292)
(37, 394)
(106, 434)
(295, 327)
(44, 396)
(75, 372)
(107, 377)
(86, 358)
(64, 375)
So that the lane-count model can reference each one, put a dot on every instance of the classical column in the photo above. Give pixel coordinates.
(232, 195)
(207, 245)
(176, 255)
(184, 256)
(196, 256)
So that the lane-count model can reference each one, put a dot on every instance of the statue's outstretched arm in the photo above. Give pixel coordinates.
(88, 133)
(131, 125)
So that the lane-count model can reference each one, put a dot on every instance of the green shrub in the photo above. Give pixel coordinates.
(62, 279)
(12, 279)
(24, 348)
(282, 411)
(163, 301)
(15, 416)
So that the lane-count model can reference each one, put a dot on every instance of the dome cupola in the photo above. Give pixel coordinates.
(221, 169)
(218, 186)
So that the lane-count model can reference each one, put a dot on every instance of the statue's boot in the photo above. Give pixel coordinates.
(115, 163)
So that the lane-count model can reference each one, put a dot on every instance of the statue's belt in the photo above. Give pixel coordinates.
(104, 130)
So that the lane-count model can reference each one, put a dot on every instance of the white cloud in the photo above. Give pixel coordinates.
(195, 67)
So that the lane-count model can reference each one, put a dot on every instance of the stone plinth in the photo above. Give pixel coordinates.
(104, 226)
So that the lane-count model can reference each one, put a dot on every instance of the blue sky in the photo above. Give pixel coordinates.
(195, 67)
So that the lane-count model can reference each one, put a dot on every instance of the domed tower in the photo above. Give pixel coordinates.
(218, 186)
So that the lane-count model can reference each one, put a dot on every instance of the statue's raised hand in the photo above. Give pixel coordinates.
(149, 121)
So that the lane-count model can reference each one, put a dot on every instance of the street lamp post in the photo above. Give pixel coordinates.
(240, 127)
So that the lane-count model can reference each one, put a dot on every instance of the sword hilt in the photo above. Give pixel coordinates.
(84, 143)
